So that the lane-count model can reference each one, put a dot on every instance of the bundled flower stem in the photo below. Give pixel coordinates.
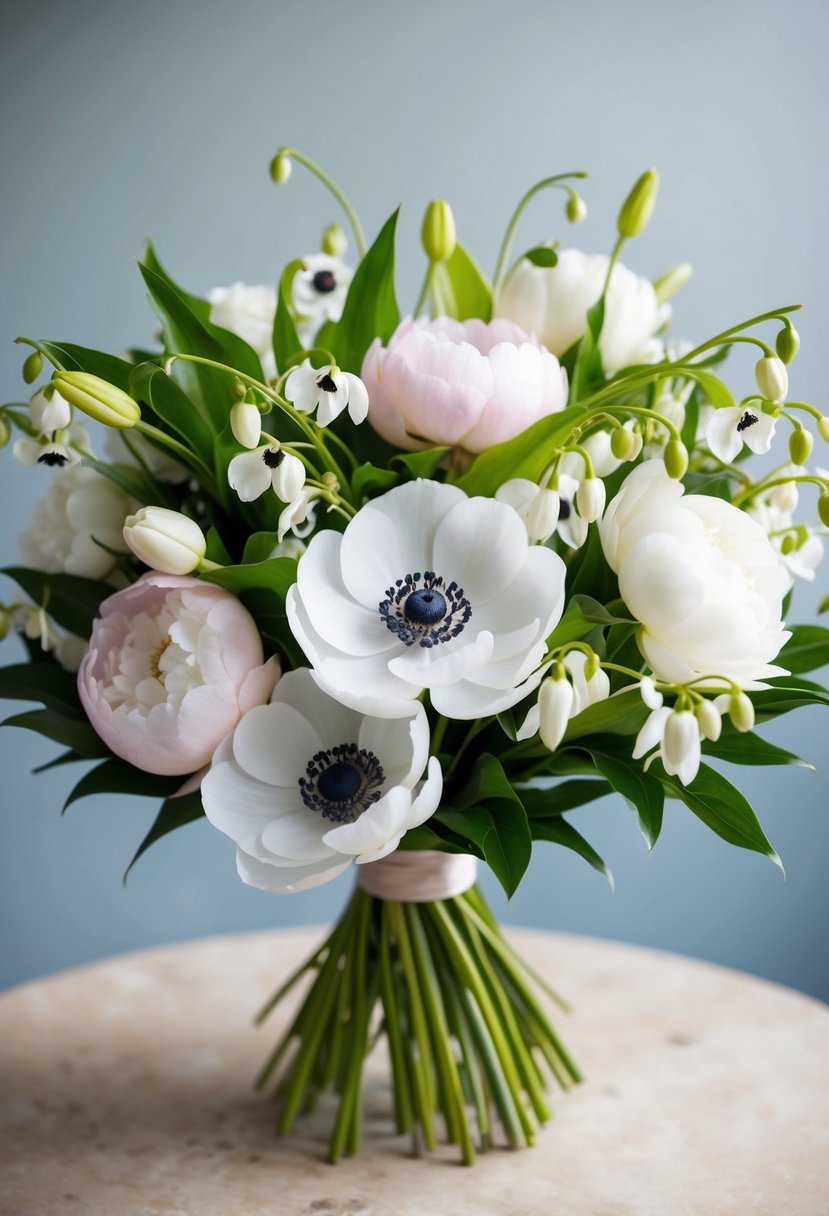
(468, 1037)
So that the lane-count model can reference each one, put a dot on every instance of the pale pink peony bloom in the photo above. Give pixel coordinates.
(461, 383)
(172, 665)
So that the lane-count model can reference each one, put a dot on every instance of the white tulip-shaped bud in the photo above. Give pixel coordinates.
(591, 497)
(709, 719)
(165, 540)
(772, 378)
(681, 746)
(542, 516)
(246, 424)
(741, 712)
(49, 412)
(555, 703)
(288, 477)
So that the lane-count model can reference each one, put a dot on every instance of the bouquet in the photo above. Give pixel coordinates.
(405, 595)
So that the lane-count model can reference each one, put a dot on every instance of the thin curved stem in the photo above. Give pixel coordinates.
(506, 243)
(337, 191)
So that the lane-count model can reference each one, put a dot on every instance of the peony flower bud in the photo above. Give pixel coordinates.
(672, 281)
(638, 206)
(676, 459)
(334, 241)
(437, 233)
(772, 378)
(165, 540)
(741, 712)
(800, 445)
(555, 703)
(49, 412)
(591, 497)
(246, 424)
(542, 515)
(575, 208)
(97, 398)
(709, 719)
(33, 367)
(787, 343)
(280, 168)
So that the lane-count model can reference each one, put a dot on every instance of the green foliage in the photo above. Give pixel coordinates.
(174, 813)
(71, 732)
(71, 601)
(462, 287)
(171, 404)
(370, 309)
(527, 455)
(81, 359)
(44, 681)
(722, 807)
(287, 347)
(115, 776)
(806, 650)
(749, 748)
(629, 778)
(559, 831)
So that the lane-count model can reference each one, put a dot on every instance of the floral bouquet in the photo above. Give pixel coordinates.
(486, 564)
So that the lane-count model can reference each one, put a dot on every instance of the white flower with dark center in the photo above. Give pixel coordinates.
(305, 786)
(299, 516)
(80, 509)
(328, 391)
(728, 429)
(248, 312)
(571, 527)
(49, 412)
(319, 292)
(427, 588)
(30, 452)
(251, 474)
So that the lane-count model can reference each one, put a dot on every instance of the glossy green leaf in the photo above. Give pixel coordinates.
(97, 362)
(259, 547)
(711, 385)
(548, 797)
(73, 602)
(464, 285)
(167, 399)
(75, 733)
(786, 693)
(582, 615)
(559, 831)
(368, 481)
(527, 455)
(277, 575)
(722, 807)
(642, 789)
(750, 749)
(806, 650)
(44, 681)
(624, 713)
(543, 256)
(117, 777)
(370, 309)
(287, 347)
(174, 813)
(421, 464)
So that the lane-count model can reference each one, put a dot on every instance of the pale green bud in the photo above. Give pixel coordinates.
(823, 428)
(788, 544)
(676, 459)
(575, 208)
(334, 241)
(281, 168)
(823, 508)
(672, 281)
(165, 540)
(97, 398)
(741, 712)
(772, 378)
(33, 367)
(5, 621)
(787, 343)
(800, 445)
(625, 444)
(638, 206)
(437, 233)
(5, 430)
(709, 719)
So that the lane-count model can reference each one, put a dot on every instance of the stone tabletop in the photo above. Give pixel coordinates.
(125, 1090)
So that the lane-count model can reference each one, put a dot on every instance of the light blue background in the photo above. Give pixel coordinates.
(124, 121)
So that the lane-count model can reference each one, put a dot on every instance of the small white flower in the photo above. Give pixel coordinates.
(586, 692)
(729, 429)
(774, 511)
(739, 709)
(305, 786)
(49, 412)
(571, 527)
(673, 737)
(246, 424)
(650, 696)
(772, 378)
(248, 312)
(538, 507)
(252, 474)
(328, 391)
(30, 452)
(80, 508)
(709, 719)
(299, 515)
(37, 626)
(591, 497)
(319, 293)
(555, 708)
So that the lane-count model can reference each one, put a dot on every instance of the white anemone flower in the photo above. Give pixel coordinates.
(251, 474)
(328, 391)
(427, 588)
(305, 786)
(728, 429)
(318, 293)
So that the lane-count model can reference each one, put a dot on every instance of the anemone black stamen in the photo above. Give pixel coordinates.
(324, 281)
(326, 383)
(341, 782)
(53, 459)
(273, 457)
(423, 610)
(564, 509)
(748, 419)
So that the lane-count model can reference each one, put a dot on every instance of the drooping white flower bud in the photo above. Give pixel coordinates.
(650, 696)
(542, 515)
(709, 719)
(772, 378)
(575, 208)
(288, 477)
(246, 424)
(681, 746)
(49, 412)
(555, 702)
(741, 712)
(165, 540)
(591, 497)
(281, 168)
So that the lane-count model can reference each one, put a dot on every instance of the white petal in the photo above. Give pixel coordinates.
(382, 821)
(758, 437)
(248, 475)
(345, 623)
(357, 398)
(400, 744)
(287, 880)
(651, 733)
(482, 545)
(443, 665)
(274, 743)
(530, 725)
(724, 439)
(301, 388)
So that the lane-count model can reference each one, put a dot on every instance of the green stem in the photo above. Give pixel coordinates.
(337, 191)
(506, 244)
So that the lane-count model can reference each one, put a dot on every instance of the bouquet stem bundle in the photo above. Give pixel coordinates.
(468, 1037)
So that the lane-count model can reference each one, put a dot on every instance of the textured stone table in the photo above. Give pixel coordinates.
(125, 1091)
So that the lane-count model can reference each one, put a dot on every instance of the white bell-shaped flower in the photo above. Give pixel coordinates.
(328, 391)
(252, 474)
(729, 429)
(49, 412)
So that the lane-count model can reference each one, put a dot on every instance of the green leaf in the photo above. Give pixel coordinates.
(370, 309)
(623, 713)
(541, 255)
(117, 777)
(559, 831)
(259, 547)
(527, 455)
(277, 575)
(587, 372)
(786, 693)
(547, 797)
(174, 813)
(489, 813)
(806, 649)
(750, 749)
(287, 347)
(46, 682)
(73, 602)
(583, 614)
(721, 806)
(640, 788)
(168, 400)
(421, 464)
(75, 733)
(368, 480)
(464, 285)
(96, 362)
(711, 385)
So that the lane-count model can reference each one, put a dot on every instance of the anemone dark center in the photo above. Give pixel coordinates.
(341, 782)
(273, 457)
(564, 509)
(748, 419)
(52, 459)
(326, 383)
(425, 610)
(324, 281)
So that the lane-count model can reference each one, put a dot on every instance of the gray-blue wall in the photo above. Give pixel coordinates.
(123, 121)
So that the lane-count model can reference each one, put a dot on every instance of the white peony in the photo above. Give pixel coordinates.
(552, 304)
(305, 786)
(427, 588)
(248, 312)
(80, 508)
(700, 575)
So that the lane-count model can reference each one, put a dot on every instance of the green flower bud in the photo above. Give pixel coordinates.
(672, 281)
(281, 168)
(5, 621)
(575, 208)
(772, 378)
(823, 427)
(437, 234)
(823, 508)
(787, 343)
(638, 206)
(741, 712)
(97, 398)
(676, 459)
(788, 544)
(625, 444)
(33, 367)
(5, 430)
(334, 241)
(824, 604)
(800, 445)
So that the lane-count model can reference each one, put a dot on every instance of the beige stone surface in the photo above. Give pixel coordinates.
(125, 1090)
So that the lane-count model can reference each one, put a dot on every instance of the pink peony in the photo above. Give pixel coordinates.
(462, 383)
(172, 665)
